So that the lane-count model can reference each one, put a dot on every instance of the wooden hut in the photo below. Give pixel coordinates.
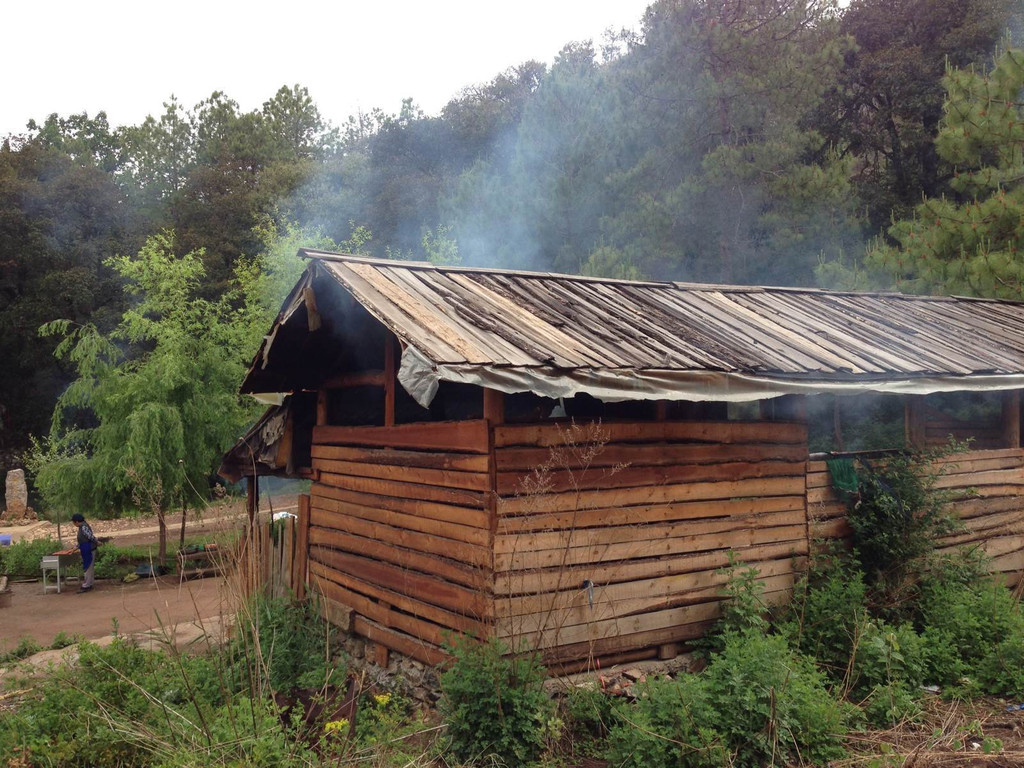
(562, 461)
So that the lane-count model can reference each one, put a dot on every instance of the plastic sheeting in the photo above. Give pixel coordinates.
(421, 378)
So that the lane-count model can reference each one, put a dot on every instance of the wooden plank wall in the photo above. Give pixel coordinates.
(989, 485)
(400, 530)
(620, 550)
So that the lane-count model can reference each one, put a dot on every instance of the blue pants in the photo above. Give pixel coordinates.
(87, 565)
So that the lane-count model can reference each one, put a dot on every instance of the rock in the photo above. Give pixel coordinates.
(16, 493)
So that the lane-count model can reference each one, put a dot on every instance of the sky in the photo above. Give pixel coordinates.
(127, 58)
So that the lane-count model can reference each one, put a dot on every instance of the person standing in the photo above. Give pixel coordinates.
(87, 544)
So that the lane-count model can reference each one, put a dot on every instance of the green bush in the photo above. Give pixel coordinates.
(670, 726)
(970, 618)
(495, 705)
(828, 613)
(896, 519)
(1001, 671)
(771, 705)
(888, 655)
(285, 645)
(21, 559)
(889, 704)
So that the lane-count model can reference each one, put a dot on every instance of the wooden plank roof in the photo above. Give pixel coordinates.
(511, 323)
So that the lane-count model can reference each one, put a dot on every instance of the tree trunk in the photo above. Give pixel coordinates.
(161, 519)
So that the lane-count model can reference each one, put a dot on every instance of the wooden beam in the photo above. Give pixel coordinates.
(494, 406)
(389, 381)
(914, 420)
(300, 556)
(356, 379)
(321, 407)
(1011, 419)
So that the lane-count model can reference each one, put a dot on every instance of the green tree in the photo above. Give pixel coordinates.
(886, 106)
(971, 242)
(146, 429)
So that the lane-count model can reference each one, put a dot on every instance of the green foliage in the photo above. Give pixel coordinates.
(828, 613)
(895, 521)
(744, 609)
(671, 724)
(122, 705)
(146, 430)
(771, 704)
(970, 242)
(283, 646)
(494, 705)
(26, 647)
(21, 559)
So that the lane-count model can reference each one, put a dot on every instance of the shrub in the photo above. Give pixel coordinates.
(1001, 671)
(972, 618)
(888, 655)
(284, 645)
(889, 704)
(771, 705)
(896, 520)
(670, 726)
(494, 704)
(21, 559)
(828, 613)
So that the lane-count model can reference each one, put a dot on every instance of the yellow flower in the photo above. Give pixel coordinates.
(382, 699)
(335, 725)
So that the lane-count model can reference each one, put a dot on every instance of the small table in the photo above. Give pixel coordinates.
(54, 563)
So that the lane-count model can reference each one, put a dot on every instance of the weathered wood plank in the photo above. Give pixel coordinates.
(565, 618)
(554, 434)
(557, 481)
(587, 537)
(380, 612)
(400, 641)
(401, 537)
(646, 591)
(452, 570)
(655, 513)
(400, 489)
(732, 539)
(455, 436)
(424, 595)
(622, 497)
(540, 581)
(652, 455)
(470, 481)
(460, 462)
(478, 518)
(470, 535)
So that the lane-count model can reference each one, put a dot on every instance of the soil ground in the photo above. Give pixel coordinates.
(146, 605)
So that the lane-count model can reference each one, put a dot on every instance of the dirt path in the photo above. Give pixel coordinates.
(145, 605)
(132, 531)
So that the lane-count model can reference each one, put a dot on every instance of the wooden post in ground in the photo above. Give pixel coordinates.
(914, 420)
(389, 381)
(1011, 419)
(300, 555)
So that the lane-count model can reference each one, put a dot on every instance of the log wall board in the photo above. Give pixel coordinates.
(587, 542)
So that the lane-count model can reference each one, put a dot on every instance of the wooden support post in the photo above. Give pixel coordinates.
(661, 410)
(1011, 419)
(914, 420)
(252, 498)
(300, 555)
(321, 407)
(389, 381)
(494, 406)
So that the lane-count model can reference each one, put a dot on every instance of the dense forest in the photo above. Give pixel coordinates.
(769, 141)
